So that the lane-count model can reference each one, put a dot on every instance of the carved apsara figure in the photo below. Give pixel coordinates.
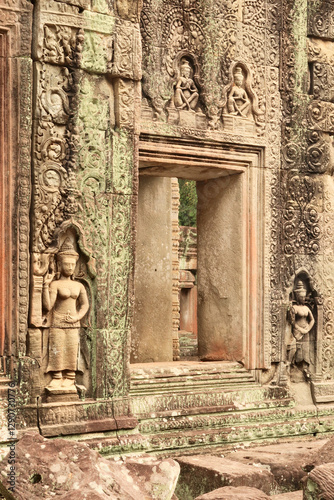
(67, 301)
(186, 93)
(302, 321)
(238, 102)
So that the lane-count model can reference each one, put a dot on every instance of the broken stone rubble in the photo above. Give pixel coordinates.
(72, 471)
(69, 470)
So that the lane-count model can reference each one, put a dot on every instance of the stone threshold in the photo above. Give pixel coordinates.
(179, 376)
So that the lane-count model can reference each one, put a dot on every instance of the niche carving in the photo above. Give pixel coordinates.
(185, 104)
(302, 332)
(241, 110)
(59, 306)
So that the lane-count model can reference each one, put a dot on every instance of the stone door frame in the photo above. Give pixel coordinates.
(203, 160)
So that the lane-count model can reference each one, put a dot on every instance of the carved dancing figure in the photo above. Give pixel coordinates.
(238, 102)
(186, 93)
(67, 301)
(302, 321)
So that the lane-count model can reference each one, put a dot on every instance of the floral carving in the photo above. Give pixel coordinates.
(62, 44)
(301, 228)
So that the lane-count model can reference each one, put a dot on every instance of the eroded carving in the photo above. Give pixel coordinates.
(238, 102)
(67, 302)
(186, 93)
(302, 321)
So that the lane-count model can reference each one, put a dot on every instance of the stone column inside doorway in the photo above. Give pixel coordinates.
(153, 326)
(221, 221)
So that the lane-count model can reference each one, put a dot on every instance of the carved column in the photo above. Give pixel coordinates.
(86, 69)
(15, 132)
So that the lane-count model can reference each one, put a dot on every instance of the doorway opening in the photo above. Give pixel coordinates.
(224, 275)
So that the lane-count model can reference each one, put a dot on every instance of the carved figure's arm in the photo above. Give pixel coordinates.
(312, 320)
(49, 295)
(191, 85)
(179, 83)
(83, 301)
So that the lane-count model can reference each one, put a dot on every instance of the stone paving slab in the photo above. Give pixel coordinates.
(238, 493)
(291, 495)
(284, 460)
(201, 474)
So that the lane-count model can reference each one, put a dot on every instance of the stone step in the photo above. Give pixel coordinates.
(184, 376)
(220, 439)
(190, 402)
(202, 474)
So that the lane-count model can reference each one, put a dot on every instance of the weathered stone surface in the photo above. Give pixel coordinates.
(283, 460)
(158, 478)
(320, 483)
(45, 468)
(319, 456)
(246, 493)
(291, 495)
(153, 279)
(202, 474)
(238, 493)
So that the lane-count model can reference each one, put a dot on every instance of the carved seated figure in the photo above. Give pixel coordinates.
(302, 321)
(238, 102)
(186, 93)
(67, 301)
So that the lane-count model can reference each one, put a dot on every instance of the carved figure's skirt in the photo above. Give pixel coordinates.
(63, 349)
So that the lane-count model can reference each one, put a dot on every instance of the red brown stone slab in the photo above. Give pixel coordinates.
(68, 470)
(320, 483)
(107, 424)
(285, 460)
(291, 495)
(231, 493)
(320, 456)
(158, 478)
(202, 474)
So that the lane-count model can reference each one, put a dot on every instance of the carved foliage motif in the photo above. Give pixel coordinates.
(301, 226)
(180, 29)
(212, 37)
(127, 52)
(62, 44)
(97, 52)
(321, 21)
(50, 174)
(307, 161)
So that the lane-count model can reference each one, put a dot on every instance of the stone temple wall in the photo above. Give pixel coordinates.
(236, 95)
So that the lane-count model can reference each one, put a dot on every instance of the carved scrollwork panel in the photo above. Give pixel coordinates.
(322, 76)
(301, 226)
(321, 19)
(126, 61)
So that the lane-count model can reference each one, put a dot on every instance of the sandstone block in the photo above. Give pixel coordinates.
(320, 483)
(231, 493)
(69, 470)
(202, 474)
(158, 478)
(283, 460)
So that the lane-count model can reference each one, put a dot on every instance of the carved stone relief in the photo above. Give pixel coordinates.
(240, 101)
(207, 39)
(301, 343)
(58, 306)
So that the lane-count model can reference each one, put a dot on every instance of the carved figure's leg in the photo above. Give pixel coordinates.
(68, 379)
(178, 98)
(231, 106)
(193, 100)
(244, 109)
(56, 380)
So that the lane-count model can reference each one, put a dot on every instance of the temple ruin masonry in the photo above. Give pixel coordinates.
(117, 326)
